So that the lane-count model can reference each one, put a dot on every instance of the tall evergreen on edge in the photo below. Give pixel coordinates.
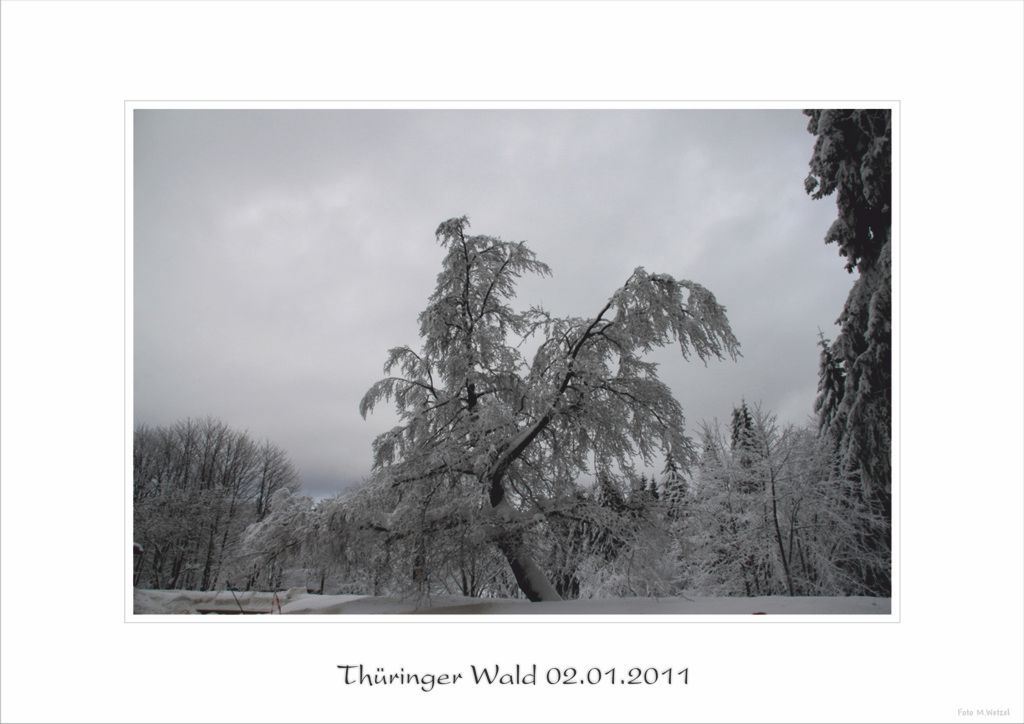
(853, 158)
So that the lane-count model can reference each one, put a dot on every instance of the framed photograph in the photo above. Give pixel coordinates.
(512, 359)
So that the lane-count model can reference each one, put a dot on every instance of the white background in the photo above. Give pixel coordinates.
(68, 655)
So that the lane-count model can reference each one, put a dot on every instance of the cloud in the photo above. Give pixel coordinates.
(279, 254)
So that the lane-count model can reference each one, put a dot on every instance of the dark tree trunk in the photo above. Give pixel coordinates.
(207, 584)
(530, 577)
(778, 537)
(176, 570)
(528, 574)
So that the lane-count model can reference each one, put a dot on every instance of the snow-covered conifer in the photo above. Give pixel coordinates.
(853, 159)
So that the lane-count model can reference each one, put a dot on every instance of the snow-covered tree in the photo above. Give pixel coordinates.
(674, 488)
(275, 472)
(275, 542)
(653, 491)
(798, 530)
(742, 440)
(853, 159)
(573, 533)
(482, 427)
(742, 427)
(197, 485)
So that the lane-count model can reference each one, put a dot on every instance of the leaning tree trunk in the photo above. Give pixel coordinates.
(531, 578)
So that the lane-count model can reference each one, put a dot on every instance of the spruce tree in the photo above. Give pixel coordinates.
(853, 159)
(674, 486)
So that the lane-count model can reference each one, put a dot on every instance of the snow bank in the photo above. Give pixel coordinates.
(297, 601)
(701, 605)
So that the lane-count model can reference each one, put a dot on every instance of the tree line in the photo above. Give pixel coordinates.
(198, 486)
(762, 511)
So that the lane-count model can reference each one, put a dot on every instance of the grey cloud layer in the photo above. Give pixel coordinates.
(278, 254)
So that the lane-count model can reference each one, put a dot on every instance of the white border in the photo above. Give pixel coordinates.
(958, 70)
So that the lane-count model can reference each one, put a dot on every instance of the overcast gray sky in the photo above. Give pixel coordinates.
(279, 254)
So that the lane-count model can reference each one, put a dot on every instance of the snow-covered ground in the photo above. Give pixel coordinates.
(297, 601)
